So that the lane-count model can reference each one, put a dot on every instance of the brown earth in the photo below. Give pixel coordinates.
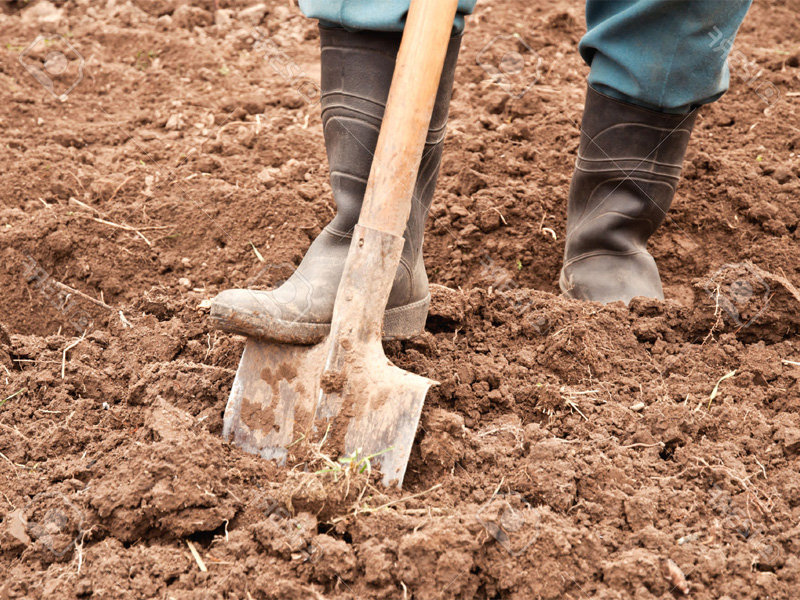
(571, 451)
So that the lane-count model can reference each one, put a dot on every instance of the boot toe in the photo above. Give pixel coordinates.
(253, 303)
(609, 278)
(265, 315)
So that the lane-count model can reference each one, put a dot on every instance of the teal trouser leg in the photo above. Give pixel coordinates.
(667, 55)
(374, 15)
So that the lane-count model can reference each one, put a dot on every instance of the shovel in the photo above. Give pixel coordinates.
(343, 392)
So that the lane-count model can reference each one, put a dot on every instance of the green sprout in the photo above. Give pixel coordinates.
(17, 393)
(354, 464)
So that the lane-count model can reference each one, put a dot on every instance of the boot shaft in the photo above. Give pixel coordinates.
(628, 167)
(357, 69)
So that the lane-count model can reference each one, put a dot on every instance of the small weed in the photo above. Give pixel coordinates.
(145, 58)
(17, 393)
(352, 465)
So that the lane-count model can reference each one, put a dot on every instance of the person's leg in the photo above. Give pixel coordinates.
(666, 55)
(371, 15)
(653, 62)
(357, 68)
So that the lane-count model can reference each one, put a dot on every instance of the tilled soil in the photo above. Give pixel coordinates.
(571, 450)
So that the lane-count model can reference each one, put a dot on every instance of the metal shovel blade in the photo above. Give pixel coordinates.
(374, 414)
(273, 396)
(278, 399)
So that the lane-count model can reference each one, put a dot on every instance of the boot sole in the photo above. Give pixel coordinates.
(399, 323)
(562, 284)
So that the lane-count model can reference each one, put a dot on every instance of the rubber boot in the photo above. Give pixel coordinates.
(357, 72)
(628, 167)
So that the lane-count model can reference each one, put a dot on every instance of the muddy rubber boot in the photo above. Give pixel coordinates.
(628, 167)
(356, 75)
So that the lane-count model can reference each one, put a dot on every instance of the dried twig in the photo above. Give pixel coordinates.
(125, 227)
(15, 431)
(130, 228)
(715, 391)
(258, 254)
(64, 354)
(198, 559)
(742, 481)
(641, 445)
(119, 187)
(549, 231)
(75, 177)
(79, 547)
(502, 218)
(574, 406)
(95, 301)
(9, 501)
(136, 230)
(423, 511)
(367, 509)
(4, 457)
(125, 322)
(72, 290)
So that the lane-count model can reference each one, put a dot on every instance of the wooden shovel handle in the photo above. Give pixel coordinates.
(387, 200)
(378, 238)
